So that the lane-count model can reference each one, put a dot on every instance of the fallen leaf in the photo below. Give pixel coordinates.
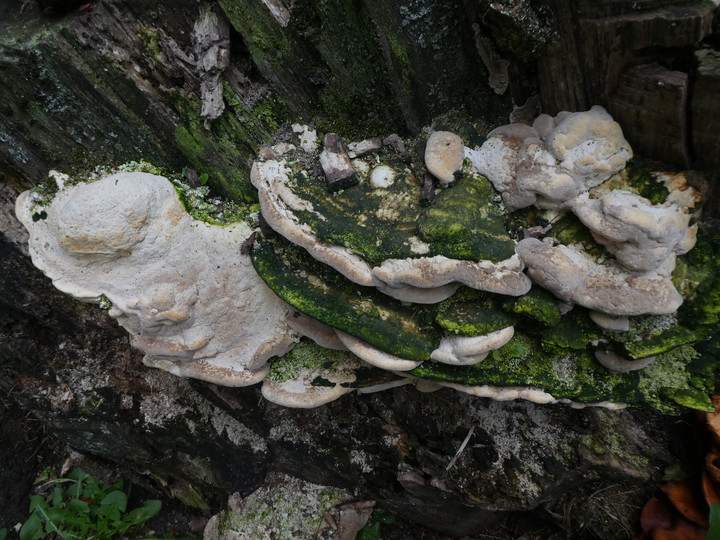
(713, 418)
(681, 530)
(656, 514)
(687, 499)
(712, 466)
(710, 490)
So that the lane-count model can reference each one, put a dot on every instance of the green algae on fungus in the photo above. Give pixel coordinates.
(454, 225)
(538, 305)
(558, 360)
(673, 381)
(466, 221)
(636, 347)
(574, 331)
(322, 293)
(353, 217)
(475, 315)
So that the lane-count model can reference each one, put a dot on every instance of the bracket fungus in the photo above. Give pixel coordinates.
(189, 299)
(555, 160)
(642, 236)
(543, 267)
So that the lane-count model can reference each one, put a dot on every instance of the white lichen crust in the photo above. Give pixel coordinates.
(189, 299)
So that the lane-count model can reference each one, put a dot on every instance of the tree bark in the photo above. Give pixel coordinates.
(122, 80)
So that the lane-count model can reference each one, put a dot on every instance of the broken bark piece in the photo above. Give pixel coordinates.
(336, 164)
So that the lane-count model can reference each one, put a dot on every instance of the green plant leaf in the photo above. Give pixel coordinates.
(57, 496)
(141, 515)
(3, 533)
(54, 518)
(36, 501)
(115, 499)
(79, 506)
(369, 532)
(713, 532)
(203, 179)
(31, 529)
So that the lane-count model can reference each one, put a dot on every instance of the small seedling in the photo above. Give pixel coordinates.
(85, 509)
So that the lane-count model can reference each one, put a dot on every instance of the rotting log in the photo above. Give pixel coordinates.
(120, 82)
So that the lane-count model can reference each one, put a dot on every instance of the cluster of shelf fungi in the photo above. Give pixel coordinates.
(543, 264)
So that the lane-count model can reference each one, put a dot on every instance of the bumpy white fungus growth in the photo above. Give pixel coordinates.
(444, 154)
(500, 393)
(618, 364)
(308, 137)
(610, 323)
(573, 276)
(504, 277)
(642, 236)
(550, 164)
(299, 391)
(320, 333)
(190, 300)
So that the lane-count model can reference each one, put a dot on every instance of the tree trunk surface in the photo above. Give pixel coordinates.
(115, 81)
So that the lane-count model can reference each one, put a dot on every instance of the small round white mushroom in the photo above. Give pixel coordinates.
(382, 176)
(444, 155)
